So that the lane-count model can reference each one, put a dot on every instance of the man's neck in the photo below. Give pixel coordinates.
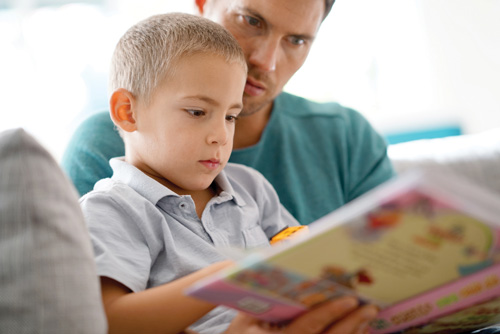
(249, 129)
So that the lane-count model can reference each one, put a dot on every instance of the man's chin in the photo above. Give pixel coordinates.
(250, 106)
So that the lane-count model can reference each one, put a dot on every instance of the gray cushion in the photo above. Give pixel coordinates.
(48, 282)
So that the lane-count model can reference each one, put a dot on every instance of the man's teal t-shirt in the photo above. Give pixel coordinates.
(318, 156)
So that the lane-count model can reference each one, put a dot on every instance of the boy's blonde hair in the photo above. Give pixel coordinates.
(149, 50)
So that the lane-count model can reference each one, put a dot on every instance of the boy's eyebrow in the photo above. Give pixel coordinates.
(211, 101)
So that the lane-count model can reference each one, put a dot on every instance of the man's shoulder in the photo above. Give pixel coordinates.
(98, 129)
(92, 144)
(302, 110)
(299, 106)
(100, 118)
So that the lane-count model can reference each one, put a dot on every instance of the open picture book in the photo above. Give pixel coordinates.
(424, 247)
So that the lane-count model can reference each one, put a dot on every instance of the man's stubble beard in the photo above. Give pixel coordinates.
(250, 108)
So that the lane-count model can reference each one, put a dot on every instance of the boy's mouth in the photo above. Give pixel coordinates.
(211, 164)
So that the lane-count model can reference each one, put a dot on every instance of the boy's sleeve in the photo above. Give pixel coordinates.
(274, 216)
(86, 158)
(120, 247)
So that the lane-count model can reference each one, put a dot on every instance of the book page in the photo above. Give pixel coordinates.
(396, 251)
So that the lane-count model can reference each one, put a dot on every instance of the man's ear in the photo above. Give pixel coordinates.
(200, 4)
(122, 104)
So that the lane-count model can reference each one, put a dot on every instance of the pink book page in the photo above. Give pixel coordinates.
(468, 291)
(398, 249)
(467, 320)
(259, 305)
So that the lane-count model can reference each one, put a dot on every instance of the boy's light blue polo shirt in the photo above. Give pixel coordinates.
(145, 235)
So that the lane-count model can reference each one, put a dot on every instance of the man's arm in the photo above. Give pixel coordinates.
(86, 159)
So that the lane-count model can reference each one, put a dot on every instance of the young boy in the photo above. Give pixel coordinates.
(177, 83)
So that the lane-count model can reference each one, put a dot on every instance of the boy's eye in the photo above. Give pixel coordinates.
(195, 112)
(231, 118)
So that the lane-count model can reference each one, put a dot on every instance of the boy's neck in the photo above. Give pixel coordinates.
(202, 197)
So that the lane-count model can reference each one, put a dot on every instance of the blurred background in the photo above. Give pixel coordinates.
(415, 68)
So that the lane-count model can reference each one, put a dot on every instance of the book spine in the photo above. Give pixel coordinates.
(259, 305)
(465, 292)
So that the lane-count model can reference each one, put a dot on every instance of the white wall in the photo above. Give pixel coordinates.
(464, 37)
(405, 64)
(409, 64)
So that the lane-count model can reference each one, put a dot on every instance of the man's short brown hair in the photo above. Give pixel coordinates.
(328, 7)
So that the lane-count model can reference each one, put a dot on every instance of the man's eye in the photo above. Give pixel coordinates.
(252, 21)
(195, 113)
(296, 40)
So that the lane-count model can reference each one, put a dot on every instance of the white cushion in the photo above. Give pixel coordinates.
(475, 156)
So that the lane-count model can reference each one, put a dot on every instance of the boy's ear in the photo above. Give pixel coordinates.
(200, 4)
(121, 110)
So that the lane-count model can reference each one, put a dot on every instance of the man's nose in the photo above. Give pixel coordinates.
(265, 54)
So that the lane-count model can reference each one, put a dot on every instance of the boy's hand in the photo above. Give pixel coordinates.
(340, 316)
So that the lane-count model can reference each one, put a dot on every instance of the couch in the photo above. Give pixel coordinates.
(48, 281)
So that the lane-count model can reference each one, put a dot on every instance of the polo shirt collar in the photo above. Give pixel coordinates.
(154, 191)
(227, 190)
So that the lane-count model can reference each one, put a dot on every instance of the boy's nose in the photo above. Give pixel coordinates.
(218, 134)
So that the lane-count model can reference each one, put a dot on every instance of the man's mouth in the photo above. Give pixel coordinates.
(254, 88)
